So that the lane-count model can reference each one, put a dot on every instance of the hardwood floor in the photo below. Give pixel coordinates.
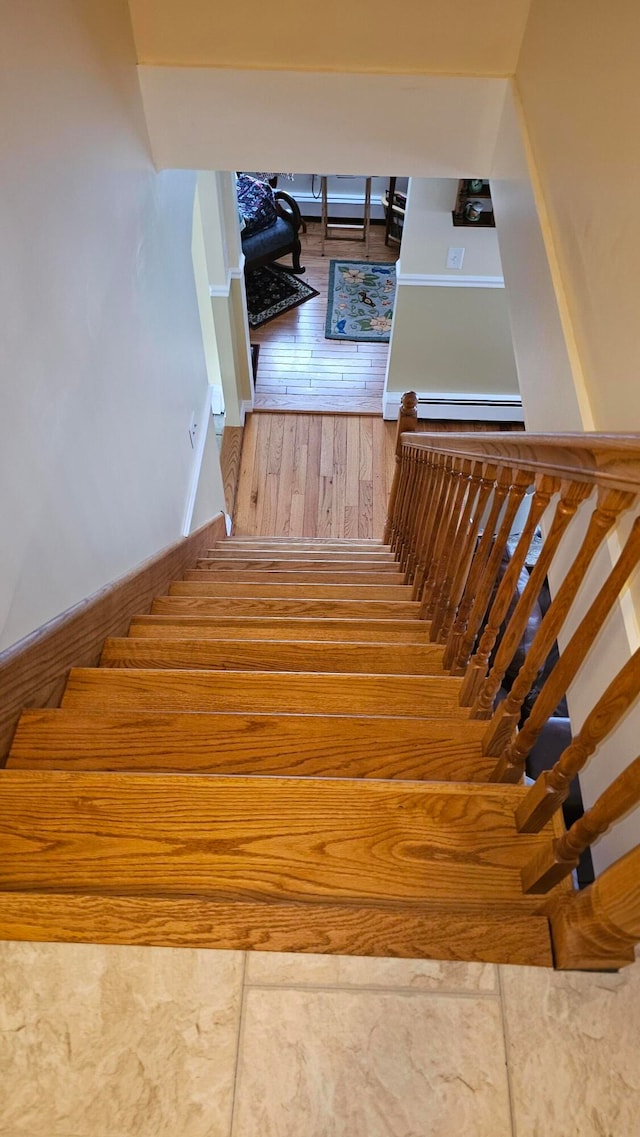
(300, 370)
(305, 475)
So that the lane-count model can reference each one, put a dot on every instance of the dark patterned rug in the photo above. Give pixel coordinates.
(272, 291)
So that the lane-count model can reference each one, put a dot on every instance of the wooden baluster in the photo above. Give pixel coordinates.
(561, 856)
(425, 471)
(402, 501)
(478, 563)
(407, 420)
(546, 487)
(453, 538)
(597, 929)
(430, 525)
(408, 507)
(610, 504)
(551, 789)
(573, 494)
(516, 491)
(478, 487)
(451, 520)
(573, 654)
(443, 522)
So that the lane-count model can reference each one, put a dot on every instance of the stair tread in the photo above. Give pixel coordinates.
(264, 606)
(422, 696)
(273, 655)
(293, 576)
(303, 745)
(293, 628)
(210, 586)
(294, 839)
(246, 925)
(304, 555)
(294, 564)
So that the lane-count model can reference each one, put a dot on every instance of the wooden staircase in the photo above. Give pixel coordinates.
(352, 815)
(281, 756)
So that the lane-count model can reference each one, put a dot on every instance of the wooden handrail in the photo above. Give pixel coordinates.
(454, 501)
(608, 460)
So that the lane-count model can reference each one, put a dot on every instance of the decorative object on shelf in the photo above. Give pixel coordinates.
(272, 290)
(361, 301)
(473, 204)
(395, 204)
(473, 210)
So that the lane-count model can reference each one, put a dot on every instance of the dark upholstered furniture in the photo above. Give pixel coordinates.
(280, 239)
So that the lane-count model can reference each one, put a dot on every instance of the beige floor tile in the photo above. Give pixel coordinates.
(370, 1064)
(292, 970)
(574, 1052)
(117, 1041)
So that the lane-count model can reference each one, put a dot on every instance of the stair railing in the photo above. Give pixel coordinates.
(478, 581)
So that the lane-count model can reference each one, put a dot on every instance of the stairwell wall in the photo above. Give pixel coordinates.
(102, 356)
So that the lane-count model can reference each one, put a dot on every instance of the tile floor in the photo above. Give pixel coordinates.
(149, 1042)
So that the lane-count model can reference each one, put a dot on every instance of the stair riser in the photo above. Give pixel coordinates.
(302, 555)
(296, 745)
(263, 693)
(295, 630)
(237, 606)
(387, 659)
(251, 576)
(209, 586)
(246, 926)
(295, 564)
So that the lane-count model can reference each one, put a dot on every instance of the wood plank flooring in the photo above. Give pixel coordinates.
(298, 368)
(304, 475)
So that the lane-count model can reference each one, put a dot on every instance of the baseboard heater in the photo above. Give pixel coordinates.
(459, 406)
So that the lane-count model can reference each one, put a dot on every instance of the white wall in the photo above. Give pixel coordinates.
(551, 382)
(328, 121)
(451, 341)
(578, 80)
(429, 232)
(101, 353)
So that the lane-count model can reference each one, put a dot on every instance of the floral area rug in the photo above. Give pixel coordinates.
(361, 301)
(272, 291)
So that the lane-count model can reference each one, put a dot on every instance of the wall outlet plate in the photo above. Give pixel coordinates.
(455, 258)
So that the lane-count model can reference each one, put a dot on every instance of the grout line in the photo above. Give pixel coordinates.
(371, 989)
(505, 1035)
(239, 1040)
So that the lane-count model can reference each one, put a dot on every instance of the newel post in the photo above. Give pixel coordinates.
(596, 929)
(407, 420)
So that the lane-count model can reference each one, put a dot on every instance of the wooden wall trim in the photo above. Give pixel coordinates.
(33, 672)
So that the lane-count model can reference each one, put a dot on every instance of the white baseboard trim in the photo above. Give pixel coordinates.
(431, 404)
(232, 274)
(246, 407)
(204, 423)
(435, 280)
(217, 400)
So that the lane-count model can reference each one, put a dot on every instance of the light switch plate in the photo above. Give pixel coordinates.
(455, 258)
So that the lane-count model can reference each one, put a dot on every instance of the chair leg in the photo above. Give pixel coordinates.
(297, 249)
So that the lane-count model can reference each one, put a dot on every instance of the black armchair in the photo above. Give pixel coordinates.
(280, 239)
